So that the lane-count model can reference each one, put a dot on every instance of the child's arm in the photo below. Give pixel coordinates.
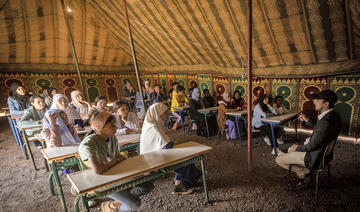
(101, 168)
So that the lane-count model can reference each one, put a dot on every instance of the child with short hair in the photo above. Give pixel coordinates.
(126, 121)
(99, 151)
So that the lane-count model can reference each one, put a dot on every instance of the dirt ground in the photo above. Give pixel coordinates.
(231, 187)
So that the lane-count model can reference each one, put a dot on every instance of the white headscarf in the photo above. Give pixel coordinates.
(153, 136)
(56, 100)
(71, 112)
(82, 107)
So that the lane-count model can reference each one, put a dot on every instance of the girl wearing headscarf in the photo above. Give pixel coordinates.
(154, 138)
(262, 110)
(70, 111)
(207, 101)
(57, 129)
(195, 115)
(81, 106)
(223, 119)
(99, 151)
(238, 101)
(19, 100)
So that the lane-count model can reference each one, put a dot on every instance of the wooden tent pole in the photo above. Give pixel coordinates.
(73, 47)
(249, 84)
(126, 16)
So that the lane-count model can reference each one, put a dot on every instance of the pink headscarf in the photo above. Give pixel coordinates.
(100, 120)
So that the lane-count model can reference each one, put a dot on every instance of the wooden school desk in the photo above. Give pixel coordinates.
(277, 121)
(26, 138)
(136, 170)
(238, 115)
(60, 158)
(128, 142)
(205, 112)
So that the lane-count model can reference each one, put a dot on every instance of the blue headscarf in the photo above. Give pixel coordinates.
(193, 95)
(66, 137)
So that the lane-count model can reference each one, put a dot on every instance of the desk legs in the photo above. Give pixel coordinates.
(28, 148)
(76, 203)
(204, 180)
(238, 128)
(58, 185)
(273, 138)
(206, 124)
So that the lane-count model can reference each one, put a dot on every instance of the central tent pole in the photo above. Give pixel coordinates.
(249, 85)
(72, 46)
(133, 53)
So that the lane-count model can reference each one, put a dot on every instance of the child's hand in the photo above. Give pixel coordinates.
(52, 118)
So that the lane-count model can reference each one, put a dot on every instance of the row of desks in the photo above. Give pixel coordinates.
(240, 115)
(124, 175)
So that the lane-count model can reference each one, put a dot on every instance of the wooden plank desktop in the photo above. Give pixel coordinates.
(208, 109)
(128, 138)
(58, 153)
(87, 180)
(30, 126)
(237, 113)
(280, 118)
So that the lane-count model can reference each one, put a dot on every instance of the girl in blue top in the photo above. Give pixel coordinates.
(19, 100)
(262, 110)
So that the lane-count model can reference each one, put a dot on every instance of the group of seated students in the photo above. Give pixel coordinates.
(99, 150)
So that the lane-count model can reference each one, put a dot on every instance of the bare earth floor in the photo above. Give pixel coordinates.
(231, 187)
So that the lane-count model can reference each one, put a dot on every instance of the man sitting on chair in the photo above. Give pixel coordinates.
(309, 155)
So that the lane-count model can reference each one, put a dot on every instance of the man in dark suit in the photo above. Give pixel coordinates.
(308, 156)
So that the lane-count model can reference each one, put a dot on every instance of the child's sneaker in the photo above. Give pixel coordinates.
(179, 189)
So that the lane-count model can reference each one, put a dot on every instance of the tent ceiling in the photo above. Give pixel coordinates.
(302, 35)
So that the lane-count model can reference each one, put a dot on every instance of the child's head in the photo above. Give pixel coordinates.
(237, 95)
(121, 108)
(61, 102)
(206, 92)
(180, 90)
(174, 85)
(147, 83)
(278, 100)
(103, 123)
(45, 91)
(157, 88)
(37, 102)
(101, 102)
(52, 92)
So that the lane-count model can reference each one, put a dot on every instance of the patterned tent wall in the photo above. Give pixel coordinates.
(164, 82)
(287, 88)
(221, 85)
(38, 81)
(182, 80)
(8, 79)
(260, 86)
(122, 82)
(147, 76)
(171, 78)
(110, 87)
(156, 79)
(239, 84)
(67, 83)
(308, 86)
(348, 105)
(205, 82)
(92, 85)
(192, 80)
